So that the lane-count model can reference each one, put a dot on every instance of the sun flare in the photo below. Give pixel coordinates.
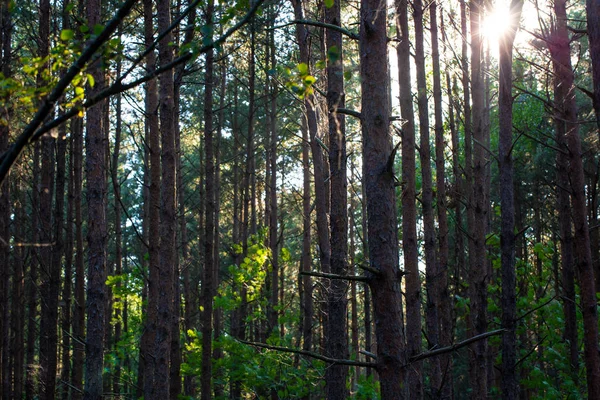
(496, 23)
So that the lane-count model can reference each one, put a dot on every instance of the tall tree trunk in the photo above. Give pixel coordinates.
(510, 386)
(308, 122)
(5, 210)
(273, 237)
(168, 221)
(118, 268)
(79, 305)
(337, 304)
(97, 235)
(378, 159)
(49, 278)
(564, 97)
(18, 308)
(478, 272)
(32, 286)
(209, 233)
(432, 270)
(440, 285)
(147, 356)
(67, 291)
(409, 207)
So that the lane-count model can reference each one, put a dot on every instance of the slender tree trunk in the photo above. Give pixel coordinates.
(378, 160)
(168, 221)
(440, 285)
(32, 286)
(208, 278)
(97, 235)
(478, 273)
(218, 312)
(337, 304)
(147, 356)
(49, 278)
(564, 97)
(18, 291)
(5, 211)
(409, 207)
(309, 115)
(432, 269)
(510, 384)
(118, 268)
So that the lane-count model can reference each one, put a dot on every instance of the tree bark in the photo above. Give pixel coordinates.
(378, 160)
(409, 206)
(337, 303)
(97, 235)
(209, 228)
(441, 293)
(432, 269)
(478, 211)
(147, 356)
(510, 383)
(168, 221)
(564, 98)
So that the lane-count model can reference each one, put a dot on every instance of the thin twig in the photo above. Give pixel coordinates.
(310, 354)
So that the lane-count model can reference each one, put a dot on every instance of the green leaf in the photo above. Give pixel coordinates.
(329, 3)
(98, 28)
(91, 80)
(67, 34)
(303, 69)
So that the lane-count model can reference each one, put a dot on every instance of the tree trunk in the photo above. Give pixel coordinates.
(564, 97)
(97, 235)
(49, 278)
(441, 293)
(5, 211)
(381, 204)
(478, 272)
(510, 383)
(432, 269)
(209, 233)
(337, 303)
(409, 207)
(147, 356)
(168, 221)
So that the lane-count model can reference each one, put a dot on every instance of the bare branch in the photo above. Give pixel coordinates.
(456, 346)
(310, 354)
(335, 276)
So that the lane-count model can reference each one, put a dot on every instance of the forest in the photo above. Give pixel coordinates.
(288, 199)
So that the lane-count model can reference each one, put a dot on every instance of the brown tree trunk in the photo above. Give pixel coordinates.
(118, 267)
(478, 210)
(97, 235)
(309, 115)
(432, 270)
(409, 206)
(79, 304)
(209, 232)
(378, 160)
(18, 308)
(49, 278)
(168, 221)
(441, 293)
(32, 286)
(510, 383)
(337, 303)
(147, 356)
(564, 97)
(5, 211)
